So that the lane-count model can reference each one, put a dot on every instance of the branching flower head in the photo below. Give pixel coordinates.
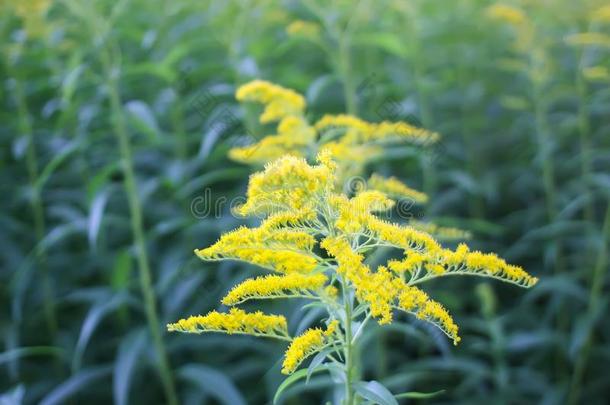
(316, 243)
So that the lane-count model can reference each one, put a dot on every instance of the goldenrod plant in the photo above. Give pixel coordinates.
(352, 141)
(317, 241)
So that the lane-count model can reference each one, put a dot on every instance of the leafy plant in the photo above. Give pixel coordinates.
(318, 240)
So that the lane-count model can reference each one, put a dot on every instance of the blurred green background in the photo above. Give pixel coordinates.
(116, 121)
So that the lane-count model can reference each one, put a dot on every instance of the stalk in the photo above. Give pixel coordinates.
(599, 274)
(548, 167)
(548, 179)
(146, 285)
(584, 129)
(349, 90)
(25, 128)
(348, 352)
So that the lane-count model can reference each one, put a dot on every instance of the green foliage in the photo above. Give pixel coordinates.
(524, 165)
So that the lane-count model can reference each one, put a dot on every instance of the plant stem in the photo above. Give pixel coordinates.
(349, 90)
(548, 178)
(599, 274)
(348, 352)
(146, 285)
(548, 168)
(25, 128)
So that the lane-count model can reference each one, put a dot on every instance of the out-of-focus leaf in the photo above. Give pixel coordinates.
(77, 382)
(419, 395)
(125, 365)
(96, 214)
(375, 392)
(29, 351)
(292, 379)
(212, 382)
(143, 118)
(92, 320)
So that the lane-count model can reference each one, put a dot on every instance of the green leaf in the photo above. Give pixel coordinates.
(419, 395)
(143, 118)
(212, 382)
(292, 379)
(126, 363)
(78, 382)
(375, 392)
(29, 351)
(317, 361)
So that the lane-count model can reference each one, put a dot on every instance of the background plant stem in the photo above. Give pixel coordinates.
(146, 285)
(25, 128)
(599, 274)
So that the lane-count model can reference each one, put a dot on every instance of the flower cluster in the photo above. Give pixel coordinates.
(317, 241)
(352, 141)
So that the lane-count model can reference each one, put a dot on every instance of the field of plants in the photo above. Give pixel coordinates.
(361, 143)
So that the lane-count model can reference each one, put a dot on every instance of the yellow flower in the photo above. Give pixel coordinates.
(234, 322)
(272, 286)
(376, 289)
(306, 344)
(293, 138)
(357, 131)
(602, 14)
(417, 302)
(403, 237)
(440, 232)
(302, 213)
(282, 250)
(288, 183)
(396, 189)
(279, 101)
(506, 13)
(588, 39)
(302, 28)
(596, 73)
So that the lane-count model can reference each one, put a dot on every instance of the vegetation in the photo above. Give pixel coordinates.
(124, 149)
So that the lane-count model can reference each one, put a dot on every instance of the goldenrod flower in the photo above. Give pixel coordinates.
(440, 232)
(602, 14)
(272, 286)
(357, 131)
(396, 189)
(303, 215)
(282, 250)
(302, 28)
(596, 73)
(506, 13)
(234, 322)
(289, 183)
(279, 101)
(417, 302)
(293, 138)
(32, 13)
(589, 39)
(306, 344)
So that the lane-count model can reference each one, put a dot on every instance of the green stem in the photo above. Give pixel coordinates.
(599, 274)
(146, 285)
(584, 128)
(548, 168)
(348, 351)
(25, 128)
(349, 90)
(548, 178)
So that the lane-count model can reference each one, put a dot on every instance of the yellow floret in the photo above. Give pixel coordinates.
(306, 344)
(272, 286)
(236, 321)
(396, 189)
